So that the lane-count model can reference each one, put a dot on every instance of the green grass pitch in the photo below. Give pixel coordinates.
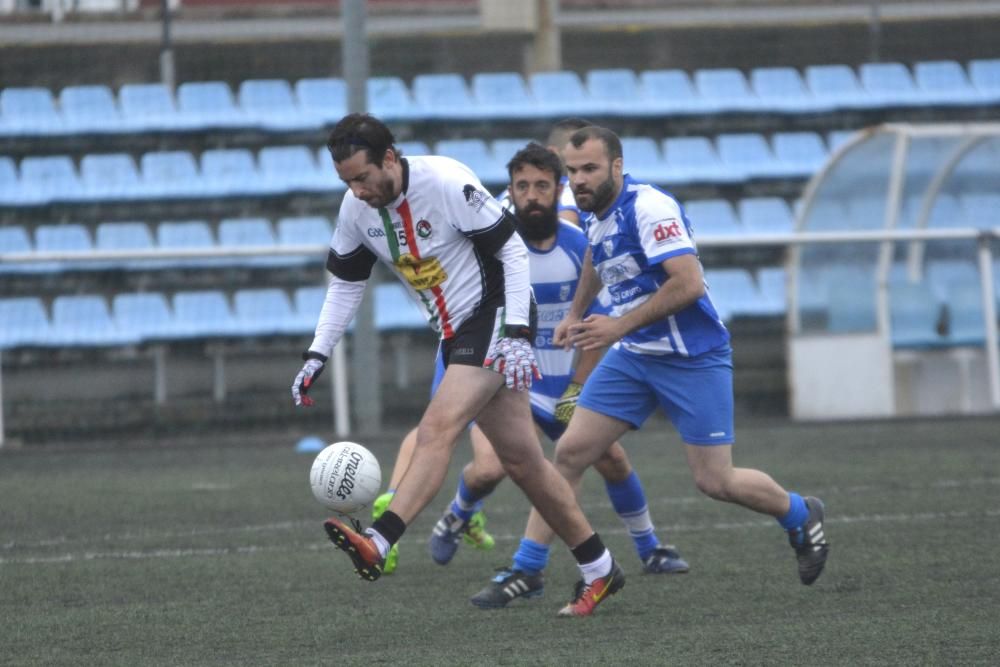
(206, 555)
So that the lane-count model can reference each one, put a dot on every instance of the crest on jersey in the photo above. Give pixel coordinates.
(564, 291)
(424, 229)
(609, 247)
(474, 197)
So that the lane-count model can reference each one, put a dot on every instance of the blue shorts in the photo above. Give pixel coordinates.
(695, 392)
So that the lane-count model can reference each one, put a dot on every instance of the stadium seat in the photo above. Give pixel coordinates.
(15, 239)
(443, 96)
(838, 138)
(249, 232)
(143, 316)
(328, 176)
(850, 301)
(412, 148)
(782, 89)
(231, 172)
(765, 215)
(476, 155)
(642, 159)
(613, 91)
(390, 99)
(981, 210)
(271, 104)
(25, 323)
(502, 95)
(307, 303)
(394, 309)
(914, 313)
(771, 283)
(713, 217)
(149, 106)
(10, 188)
(291, 169)
(985, 76)
(733, 292)
(889, 84)
(110, 176)
(944, 83)
(725, 89)
(167, 174)
(49, 179)
(266, 311)
(210, 104)
(29, 111)
(798, 153)
(748, 154)
(504, 149)
(966, 324)
(836, 86)
(187, 235)
(694, 160)
(90, 109)
(64, 238)
(668, 92)
(306, 230)
(125, 236)
(204, 314)
(84, 320)
(323, 100)
(560, 93)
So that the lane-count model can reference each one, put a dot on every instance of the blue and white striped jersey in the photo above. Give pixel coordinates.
(554, 276)
(641, 229)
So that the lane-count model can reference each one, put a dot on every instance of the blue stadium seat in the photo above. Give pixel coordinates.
(668, 91)
(559, 93)
(613, 91)
(642, 159)
(90, 109)
(29, 111)
(144, 316)
(945, 83)
(293, 168)
(324, 100)
(231, 172)
(204, 314)
(981, 210)
(476, 155)
(110, 176)
(125, 236)
(10, 188)
(210, 104)
(328, 177)
(84, 320)
(838, 138)
(394, 309)
(187, 235)
(502, 95)
(771, 282)
(504, 149)
(783, 89)
(695, 160)
(169, 174)
(850, 300)
(765, 215)
(914, 312)
(49, 179)
(64, 238)
(947, 275)
(271, 104)
(266, 311)
(307, 302)
(799, 153)
(889, 84)
(15, 239)
(249, 232)
(966, 324)
(305, 230)
(725, 89)
(748, 154)
(25, 323)
(733, 292)
(985, 76)
(390, 99)
(443, 96)
(836, 86)
(149, 106)
(713, 217)
(411, 148)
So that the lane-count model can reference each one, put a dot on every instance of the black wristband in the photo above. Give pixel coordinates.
(516, 331)
(309, 354)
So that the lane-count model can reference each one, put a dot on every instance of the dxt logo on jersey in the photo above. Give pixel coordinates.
(664, 233)
(424, 229)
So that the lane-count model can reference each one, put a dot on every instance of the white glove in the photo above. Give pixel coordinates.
(515, 360)
(313, 368)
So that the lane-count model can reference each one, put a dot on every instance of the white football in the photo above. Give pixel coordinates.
(345, 477)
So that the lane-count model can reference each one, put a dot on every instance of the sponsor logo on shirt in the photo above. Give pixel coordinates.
(423, 273)
(375, 232)
(666, 231)
(474, 197)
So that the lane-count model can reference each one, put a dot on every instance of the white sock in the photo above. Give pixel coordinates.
(596, 569)
(380, 542)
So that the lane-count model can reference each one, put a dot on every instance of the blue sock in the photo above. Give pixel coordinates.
(466, 502)
(797, 513)
(531, 557)
(629, 501)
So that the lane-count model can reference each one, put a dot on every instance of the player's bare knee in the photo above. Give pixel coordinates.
(571, 458)
(614, 465)
(711, 484)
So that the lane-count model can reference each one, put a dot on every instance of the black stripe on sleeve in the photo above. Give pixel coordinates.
(488, 241)
(353, 267)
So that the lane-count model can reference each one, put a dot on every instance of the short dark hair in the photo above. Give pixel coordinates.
(562, 129)
(537, 156)
(612, 144)
(360, 132)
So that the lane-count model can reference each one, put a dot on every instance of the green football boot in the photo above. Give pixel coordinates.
(475, 533)
(379, 507)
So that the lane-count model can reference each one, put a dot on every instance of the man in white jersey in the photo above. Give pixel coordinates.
(669, 347)
(455, 249)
